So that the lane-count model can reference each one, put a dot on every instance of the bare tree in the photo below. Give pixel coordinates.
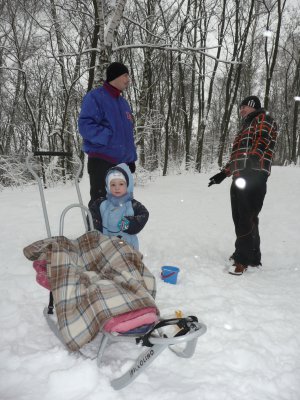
(240, 37)
(271, 54)
(184, 92)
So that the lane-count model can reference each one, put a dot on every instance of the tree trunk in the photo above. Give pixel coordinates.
(296, 86)
(271, 61)
(202, 119)
(167, 134)
(234, 75)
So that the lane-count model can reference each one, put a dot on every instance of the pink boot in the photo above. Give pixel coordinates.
(43, 280)
(40, 266)
(41, 273)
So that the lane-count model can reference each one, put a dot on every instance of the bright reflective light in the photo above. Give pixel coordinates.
(297, 98)
(240, 183)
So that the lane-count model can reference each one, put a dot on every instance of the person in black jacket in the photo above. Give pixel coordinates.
(119, 214)
(250, 166)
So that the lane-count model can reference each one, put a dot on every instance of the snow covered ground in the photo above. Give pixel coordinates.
(251, 350)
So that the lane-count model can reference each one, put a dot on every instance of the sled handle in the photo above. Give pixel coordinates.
(40, 185)
(83, 209)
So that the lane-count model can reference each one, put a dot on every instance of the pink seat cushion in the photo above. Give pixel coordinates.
(131, 320)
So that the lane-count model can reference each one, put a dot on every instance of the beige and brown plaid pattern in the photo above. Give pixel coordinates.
(93, 278)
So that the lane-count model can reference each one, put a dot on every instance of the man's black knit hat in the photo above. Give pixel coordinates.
(251, 101)
(114, 70)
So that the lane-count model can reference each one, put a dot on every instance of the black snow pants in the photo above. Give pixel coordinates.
(97, 170)
(246, 204)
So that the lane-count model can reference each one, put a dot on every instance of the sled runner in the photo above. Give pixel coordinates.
(102, 293)
(154, 342)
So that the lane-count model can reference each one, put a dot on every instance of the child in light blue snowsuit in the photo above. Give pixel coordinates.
(119, 214)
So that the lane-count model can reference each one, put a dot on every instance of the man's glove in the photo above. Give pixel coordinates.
(123, 224)
(132, 167)
(218, 178)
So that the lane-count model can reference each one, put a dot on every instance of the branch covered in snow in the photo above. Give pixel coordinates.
(162, 47)
(176, 49)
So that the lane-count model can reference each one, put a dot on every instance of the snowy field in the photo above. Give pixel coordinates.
(251, 350)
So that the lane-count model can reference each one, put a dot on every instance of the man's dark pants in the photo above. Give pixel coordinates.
(97, 170)
(246, 204)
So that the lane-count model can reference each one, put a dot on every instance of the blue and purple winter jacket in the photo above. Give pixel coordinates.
(106, 125)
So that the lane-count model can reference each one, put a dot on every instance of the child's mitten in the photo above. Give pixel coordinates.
(123, 224)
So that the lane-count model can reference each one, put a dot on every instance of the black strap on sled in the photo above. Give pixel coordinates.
(50, 306)
(183, 323)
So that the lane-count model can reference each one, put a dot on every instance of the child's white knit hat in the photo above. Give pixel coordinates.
(116, 175)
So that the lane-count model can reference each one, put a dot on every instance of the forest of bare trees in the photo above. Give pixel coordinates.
(191, 63)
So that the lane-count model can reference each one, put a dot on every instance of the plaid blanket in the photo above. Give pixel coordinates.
(93, 279)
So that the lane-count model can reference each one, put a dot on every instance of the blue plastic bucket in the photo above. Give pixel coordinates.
(169, 274)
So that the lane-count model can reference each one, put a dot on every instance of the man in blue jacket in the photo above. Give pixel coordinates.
(106, 125)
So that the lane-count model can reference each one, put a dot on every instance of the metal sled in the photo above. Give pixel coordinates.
(154, 341)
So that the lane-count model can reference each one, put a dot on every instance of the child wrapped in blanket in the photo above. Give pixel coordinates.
(116, 215)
